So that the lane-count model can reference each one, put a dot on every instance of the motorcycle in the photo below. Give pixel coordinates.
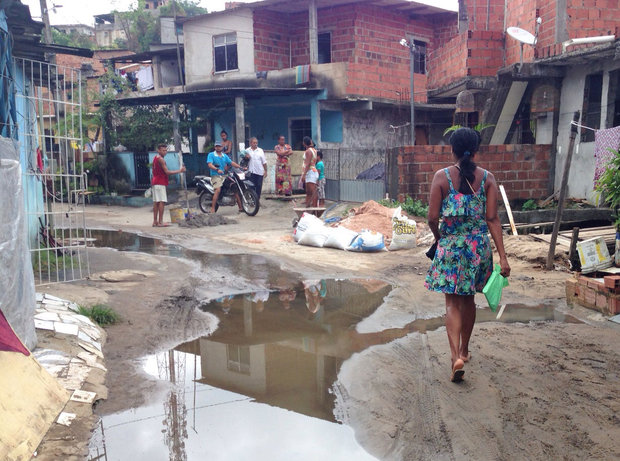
(235, 183)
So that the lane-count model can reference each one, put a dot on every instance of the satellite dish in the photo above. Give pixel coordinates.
(521, 35)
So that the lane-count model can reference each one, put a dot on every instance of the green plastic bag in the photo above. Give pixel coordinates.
(493, 288)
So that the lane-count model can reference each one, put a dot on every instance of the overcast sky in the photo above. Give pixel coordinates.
(82, 11)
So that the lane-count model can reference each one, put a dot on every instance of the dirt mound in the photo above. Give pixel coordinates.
(204, 220)
(376, 217)
(372, 216)
(527, 248)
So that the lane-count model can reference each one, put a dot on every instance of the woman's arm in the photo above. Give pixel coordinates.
(434, 205)
(495, 226)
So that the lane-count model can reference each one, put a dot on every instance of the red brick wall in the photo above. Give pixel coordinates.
(475, 53)
(520, 14)
(486, 14)
(522, 169)
(365, 36)
(585, 18)
(590, 18)
(380, 64)
(271, 40)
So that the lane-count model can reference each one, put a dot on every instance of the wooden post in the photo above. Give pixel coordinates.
(508, 209)
(563, 188)
(573, 246)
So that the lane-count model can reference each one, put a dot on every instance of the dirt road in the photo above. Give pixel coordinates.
(539, 390)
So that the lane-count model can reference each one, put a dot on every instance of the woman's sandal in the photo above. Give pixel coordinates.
(457, 371)
(466, 359)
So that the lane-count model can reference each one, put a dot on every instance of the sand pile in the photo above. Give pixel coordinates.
(372, 216)
(376, 217)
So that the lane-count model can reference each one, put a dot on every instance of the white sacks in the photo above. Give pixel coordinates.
(404, 232)
(315, 235)
(340, 238)
(306, 221)
(367, 241)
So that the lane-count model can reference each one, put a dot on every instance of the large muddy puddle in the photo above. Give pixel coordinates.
(260, 386)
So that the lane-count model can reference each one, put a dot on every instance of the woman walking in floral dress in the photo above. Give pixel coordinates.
(465, 197)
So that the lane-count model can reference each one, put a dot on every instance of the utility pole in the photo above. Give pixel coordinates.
(46, 21)
(412, 71)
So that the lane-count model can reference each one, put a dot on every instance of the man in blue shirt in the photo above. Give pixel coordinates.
(219, 164)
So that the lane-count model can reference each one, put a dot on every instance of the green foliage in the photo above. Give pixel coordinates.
(529, 205)
(143, 127)
(141, 27)
(183, 8)
(410, 206)
(479, 127)
(48, 261)
(609, 185)
(74, 39)
(101, 314)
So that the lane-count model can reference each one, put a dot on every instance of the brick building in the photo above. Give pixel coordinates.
(335, 70)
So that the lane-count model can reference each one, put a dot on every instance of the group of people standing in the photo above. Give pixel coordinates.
(312, 179)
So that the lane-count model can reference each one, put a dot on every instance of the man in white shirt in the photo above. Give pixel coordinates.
(257, 166)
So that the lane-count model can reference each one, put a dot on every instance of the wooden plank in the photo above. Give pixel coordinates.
(561, 241)
(508, 210)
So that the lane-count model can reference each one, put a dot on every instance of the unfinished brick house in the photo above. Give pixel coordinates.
(333, 70)
(528, 93)
(336, 71)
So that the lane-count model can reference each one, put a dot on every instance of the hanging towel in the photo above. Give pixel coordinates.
(302, 74)
(603, 141)
(8, 339)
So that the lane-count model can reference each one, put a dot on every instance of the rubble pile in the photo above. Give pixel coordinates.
(206, 220)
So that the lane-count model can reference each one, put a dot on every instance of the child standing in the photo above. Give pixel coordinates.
(320, 185)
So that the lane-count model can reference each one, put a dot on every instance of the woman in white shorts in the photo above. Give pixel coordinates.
(310, 174)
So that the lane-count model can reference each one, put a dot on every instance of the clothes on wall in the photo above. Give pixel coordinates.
(603, 141)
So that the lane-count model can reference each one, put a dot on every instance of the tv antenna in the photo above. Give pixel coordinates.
(524, 37)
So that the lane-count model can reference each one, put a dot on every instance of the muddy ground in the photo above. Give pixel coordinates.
(531, 391)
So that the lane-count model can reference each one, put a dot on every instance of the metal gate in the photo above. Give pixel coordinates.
(343, 167)
(143, 174)
(49, 98)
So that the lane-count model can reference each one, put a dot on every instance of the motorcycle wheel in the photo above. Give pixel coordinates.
(204, 202)
(250, 202)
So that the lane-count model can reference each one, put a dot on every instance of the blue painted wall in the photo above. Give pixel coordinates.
(26, 137)
(331, 126)
(172, 162)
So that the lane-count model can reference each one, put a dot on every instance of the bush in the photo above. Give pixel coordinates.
(100, 313)
(609, 185)
(529, 205)
(410, 206)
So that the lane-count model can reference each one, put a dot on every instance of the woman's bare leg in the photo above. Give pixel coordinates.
(468, 318)
(454, 325)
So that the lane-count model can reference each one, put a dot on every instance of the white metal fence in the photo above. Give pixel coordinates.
(49, 101)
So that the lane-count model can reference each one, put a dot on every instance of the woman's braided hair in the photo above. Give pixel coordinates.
(465, 143)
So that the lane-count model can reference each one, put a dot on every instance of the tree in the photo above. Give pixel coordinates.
(140, 26)
(74, 39)
(186, 8)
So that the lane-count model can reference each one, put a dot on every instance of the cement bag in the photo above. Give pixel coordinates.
(315, 236)
(367, 241)
(305, 222)
(340, 238)
(404, 232)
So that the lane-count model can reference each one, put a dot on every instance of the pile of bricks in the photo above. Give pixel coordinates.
(600, 294)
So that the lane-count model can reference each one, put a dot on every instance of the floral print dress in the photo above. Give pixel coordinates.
(463, 261)
(284, 184)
